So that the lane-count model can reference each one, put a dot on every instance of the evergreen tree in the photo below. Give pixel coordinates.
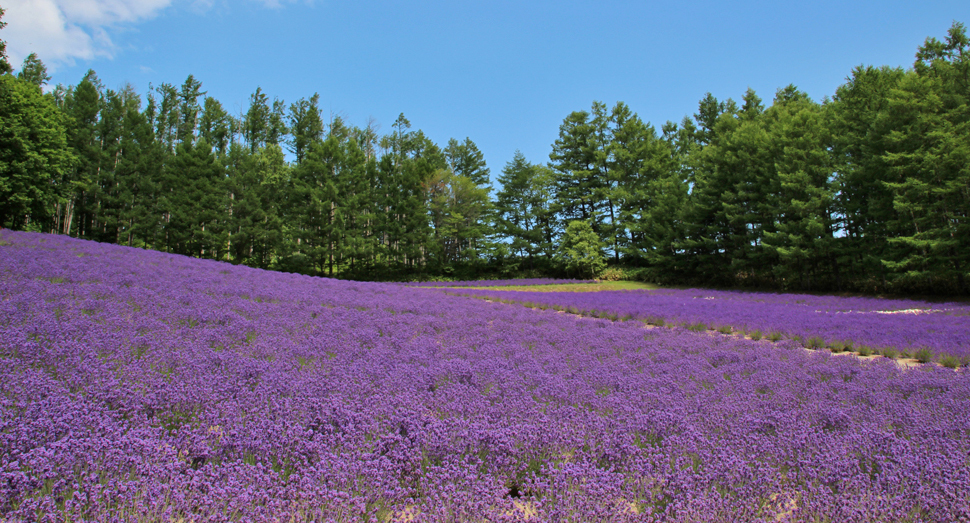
(578, 160)
(863, 203)
(464, 159)
(167, 118)
(356, 212)
(35, 160)
(522, 208)
(650, 190)
(929, 153)
(4, 64)
(34, 71)
(258, 184)
(192, 203)
(83, 107)
(256, 122)
(216, 125)
(188, 110)
(306, 125)
(803, 239)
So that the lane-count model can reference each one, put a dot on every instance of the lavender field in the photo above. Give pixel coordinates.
(142, 386)
(892, 327)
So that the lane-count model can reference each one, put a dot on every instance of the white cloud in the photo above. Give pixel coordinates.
(276, 4)
(62, 31)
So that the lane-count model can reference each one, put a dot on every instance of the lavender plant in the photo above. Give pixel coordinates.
(141, 386)
(905, 326)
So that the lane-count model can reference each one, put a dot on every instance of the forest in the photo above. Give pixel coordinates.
(865, 191)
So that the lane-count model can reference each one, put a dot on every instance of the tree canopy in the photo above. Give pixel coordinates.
(866, 191)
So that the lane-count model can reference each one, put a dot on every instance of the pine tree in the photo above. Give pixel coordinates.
(216, 125)
(803, 239)
(929, 153)
(34, 71)
(188, 110)
(522, 208)
(306, 125)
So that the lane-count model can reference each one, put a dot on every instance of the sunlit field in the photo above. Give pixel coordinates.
(912, 329)
(574, 287)
(142, 386)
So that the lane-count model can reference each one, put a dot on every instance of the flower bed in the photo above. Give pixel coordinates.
(141, 386)
(894, 327)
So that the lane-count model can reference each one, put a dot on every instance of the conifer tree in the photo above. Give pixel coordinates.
(34, 71)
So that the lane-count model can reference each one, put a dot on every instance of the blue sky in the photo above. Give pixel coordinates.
(502, 73)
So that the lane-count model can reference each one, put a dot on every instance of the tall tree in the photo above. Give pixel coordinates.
(83, 107)
(858, 120)
(35, 161)
(305, 124)
(523, 213)
(216, 125)
(929, 153)
(188, 110)
(256, 121)
(803, 238)
(579, 159)
(4, 64)
(34, 71)
(650, 190)
(258, 184)
(465, 159)
(167, 117)
(192, 202)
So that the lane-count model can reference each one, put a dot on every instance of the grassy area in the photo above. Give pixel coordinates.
(576, 287)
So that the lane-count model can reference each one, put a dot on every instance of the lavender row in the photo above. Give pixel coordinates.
(892, 327)
(496, 283)
(139, 386)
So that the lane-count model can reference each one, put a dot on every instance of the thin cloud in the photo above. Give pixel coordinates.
(62, 31)
(277, 4)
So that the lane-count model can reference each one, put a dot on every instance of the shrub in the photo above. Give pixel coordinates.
(923, 355)
(864, 350)
(612, 274)
(890, 353)
(774, 336)
(755, 334)
(581, 250)
(817, 343)
(950, 362)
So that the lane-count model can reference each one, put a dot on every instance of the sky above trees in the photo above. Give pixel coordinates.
(503, 73)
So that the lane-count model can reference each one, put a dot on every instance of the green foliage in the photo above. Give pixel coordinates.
(923, 355)
(33, 71)
(581, 250)
(612, 274)
(522, 209)
(867, 191)
(35, 158)
(305, 124)
(950, 362)
(4, 64)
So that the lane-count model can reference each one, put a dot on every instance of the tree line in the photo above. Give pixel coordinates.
(865, 191)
